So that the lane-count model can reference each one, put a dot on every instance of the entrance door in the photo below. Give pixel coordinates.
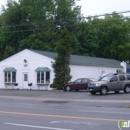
(25, 80)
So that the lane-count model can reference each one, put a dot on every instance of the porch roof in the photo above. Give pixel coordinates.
(43, 69)
(10, 69)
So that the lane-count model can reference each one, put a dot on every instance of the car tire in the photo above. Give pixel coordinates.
(103, 90)
(93, 93)
(68, 88)
(127, 89)
(116, 92)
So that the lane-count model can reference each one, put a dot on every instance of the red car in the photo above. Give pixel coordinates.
(79, 84)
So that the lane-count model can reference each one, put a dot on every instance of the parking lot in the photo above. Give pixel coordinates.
(60, 95)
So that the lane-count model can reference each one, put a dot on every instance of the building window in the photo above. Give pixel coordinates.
(13, 77)
(47, 77)
(6, 78)
(43, 75)
(10, 75)
(38, 76)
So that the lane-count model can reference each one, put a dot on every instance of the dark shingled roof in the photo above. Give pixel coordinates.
(84, 60)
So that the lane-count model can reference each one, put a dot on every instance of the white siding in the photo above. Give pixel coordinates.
(34, 60)
(90, 71)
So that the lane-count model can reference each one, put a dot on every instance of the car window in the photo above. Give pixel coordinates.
(128, 77)
(113, 79)
(105, 78)
(92, 79)
(78, 80)
(84, 80)
(121, 77)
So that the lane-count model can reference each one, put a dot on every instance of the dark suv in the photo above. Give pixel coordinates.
(110, 82)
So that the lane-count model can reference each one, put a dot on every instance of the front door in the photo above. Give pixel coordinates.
(25, 80)
(114, 83)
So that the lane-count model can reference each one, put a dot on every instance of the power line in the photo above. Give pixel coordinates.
(66, 26)
(119, 12)
(61, 20)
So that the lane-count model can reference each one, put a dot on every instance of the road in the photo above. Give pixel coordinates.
(59, 110)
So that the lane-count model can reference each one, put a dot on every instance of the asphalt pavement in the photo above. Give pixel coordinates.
(111, 99)
(73, 95)
(60, 110)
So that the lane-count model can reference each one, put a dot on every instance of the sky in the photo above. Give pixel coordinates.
(96, 7)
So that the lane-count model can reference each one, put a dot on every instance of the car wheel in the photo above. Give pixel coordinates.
(127, 89)
(116, 91)
(103, 90)
(68, 88)
(93, 93)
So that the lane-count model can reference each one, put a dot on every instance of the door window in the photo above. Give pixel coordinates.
(84, 80)
(121, 77)
(25, 77)
(128, 77)
(78, 80)
(114, 79)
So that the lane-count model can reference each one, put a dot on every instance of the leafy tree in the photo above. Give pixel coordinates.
(112, 36)
(21, 21)
(32, 24)
(87, 37)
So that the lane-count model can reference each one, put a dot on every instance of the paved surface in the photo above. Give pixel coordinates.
(59, 110)
(62, 95)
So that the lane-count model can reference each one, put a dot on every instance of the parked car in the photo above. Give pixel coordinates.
(110, 82)
(79, 84)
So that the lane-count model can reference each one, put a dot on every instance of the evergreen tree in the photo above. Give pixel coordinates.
(62, 61)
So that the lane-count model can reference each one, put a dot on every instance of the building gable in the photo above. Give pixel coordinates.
(25, 55)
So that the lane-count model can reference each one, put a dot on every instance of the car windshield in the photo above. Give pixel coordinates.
(105, 78)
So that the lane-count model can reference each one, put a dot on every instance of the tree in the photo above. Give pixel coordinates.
(87, 37)
(62, 61)
(21, 22)
(112, 36)
(66, 14)
(26, 21)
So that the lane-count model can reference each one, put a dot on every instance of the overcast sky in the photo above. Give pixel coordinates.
(95, 7)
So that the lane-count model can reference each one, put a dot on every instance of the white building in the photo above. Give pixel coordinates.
(34, 68)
